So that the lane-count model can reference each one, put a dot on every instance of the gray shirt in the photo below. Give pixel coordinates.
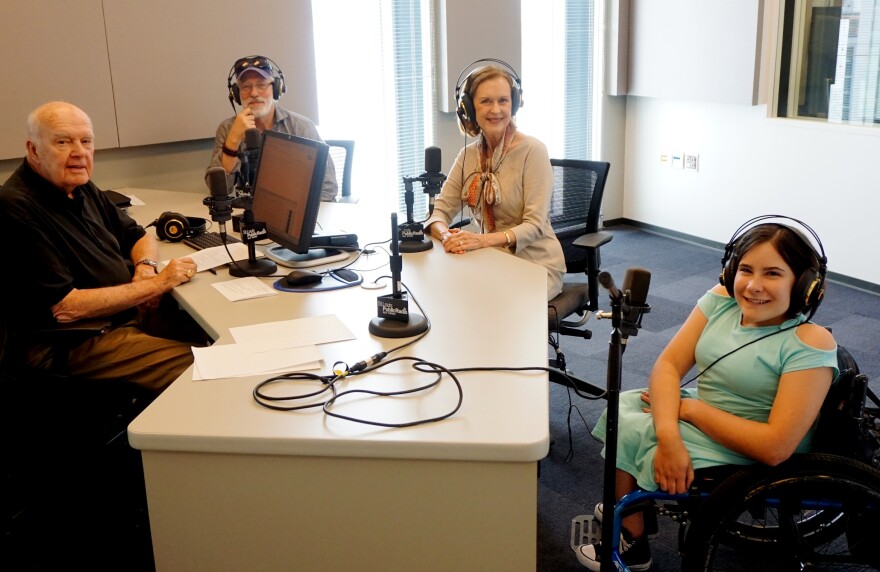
(285, 122)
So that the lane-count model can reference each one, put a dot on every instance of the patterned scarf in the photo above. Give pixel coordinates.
(484, 191)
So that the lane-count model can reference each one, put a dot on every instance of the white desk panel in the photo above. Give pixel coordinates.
(231, 483)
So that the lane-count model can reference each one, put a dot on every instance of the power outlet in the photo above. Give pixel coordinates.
(691, 162)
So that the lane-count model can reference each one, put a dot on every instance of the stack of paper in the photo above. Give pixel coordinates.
(270, 348)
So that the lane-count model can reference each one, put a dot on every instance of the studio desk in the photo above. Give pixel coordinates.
(234, 486)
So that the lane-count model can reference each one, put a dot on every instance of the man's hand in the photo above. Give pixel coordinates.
(243, 121)
(177, 272)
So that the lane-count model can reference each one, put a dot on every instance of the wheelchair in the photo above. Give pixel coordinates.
(816, 511)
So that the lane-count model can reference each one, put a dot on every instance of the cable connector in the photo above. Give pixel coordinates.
(364, 364)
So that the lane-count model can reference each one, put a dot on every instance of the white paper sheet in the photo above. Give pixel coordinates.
(237, 360)
(244, 288)
(294, 333)
(215, 256)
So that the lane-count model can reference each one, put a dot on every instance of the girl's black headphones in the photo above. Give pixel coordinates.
(174, 227)
(465, 110)
(810, 285)
(251, 62)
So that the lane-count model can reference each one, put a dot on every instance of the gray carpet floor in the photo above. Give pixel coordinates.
(570, 481)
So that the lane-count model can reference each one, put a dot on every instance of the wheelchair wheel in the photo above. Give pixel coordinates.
(814, 512)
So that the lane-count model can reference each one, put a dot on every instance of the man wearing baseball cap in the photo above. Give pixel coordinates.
(256, 83)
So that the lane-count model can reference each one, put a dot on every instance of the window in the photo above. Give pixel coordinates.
(830, 61)
(374, 86)
(558, 48)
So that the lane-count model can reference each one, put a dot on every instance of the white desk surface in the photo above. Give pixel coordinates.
(487, 308)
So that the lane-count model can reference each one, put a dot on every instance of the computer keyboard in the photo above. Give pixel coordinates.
(207, 240)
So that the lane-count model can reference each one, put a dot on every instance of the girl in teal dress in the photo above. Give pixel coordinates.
(764, 372)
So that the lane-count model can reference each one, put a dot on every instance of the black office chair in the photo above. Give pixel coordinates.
(578, 187)
(342, 153)
(71, 476)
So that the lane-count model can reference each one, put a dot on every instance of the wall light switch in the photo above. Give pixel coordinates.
(691, 162)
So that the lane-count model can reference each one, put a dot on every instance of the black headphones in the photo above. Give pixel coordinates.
(174, 227)
(810, 285)
(250, 62)
(465, 110)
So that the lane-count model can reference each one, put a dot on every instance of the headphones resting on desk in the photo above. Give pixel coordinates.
(174, 227)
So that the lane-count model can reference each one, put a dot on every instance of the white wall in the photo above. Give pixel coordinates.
(170, 167)
(750, 164)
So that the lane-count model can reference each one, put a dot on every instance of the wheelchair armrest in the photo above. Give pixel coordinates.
(593, 239)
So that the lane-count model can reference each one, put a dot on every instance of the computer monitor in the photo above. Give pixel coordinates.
(287, 188)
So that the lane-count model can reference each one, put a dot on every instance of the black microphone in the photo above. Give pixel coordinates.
(607, 282)
(412, 233)
(635, 296)
(396, 261)
(253, 140)
(432, 178)
(220, 202)
(252, 143)
(432, 160)
(394, 319)
(635, 284)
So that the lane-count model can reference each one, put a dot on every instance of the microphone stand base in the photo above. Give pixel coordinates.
(416, 245)
(386, 328)
(258, 267)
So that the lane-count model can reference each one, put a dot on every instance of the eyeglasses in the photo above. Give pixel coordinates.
(259, 86)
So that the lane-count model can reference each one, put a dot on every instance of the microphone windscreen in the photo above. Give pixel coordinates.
(252, 138)
(217, 182)
(636, 281)
(432, 159)
(606, 280)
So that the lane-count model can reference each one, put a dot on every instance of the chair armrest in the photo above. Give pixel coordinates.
(593, 240)
(72, 334)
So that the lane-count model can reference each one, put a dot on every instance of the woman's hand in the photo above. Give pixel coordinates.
(673, 469)
(460, 241)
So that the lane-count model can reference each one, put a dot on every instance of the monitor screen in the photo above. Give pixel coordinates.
(287, 188)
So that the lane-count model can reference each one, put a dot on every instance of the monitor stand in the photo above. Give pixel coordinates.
(314, 257)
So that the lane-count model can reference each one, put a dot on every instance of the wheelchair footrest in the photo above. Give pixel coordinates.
(585, 529)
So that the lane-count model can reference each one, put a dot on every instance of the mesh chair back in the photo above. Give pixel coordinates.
(342, 153)
(576, 205)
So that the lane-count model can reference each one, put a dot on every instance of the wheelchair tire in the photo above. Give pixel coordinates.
(813, 512)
